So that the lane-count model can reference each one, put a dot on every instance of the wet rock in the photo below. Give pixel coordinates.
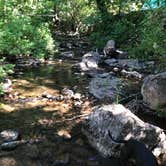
(9, 135)
(89, 61)
(49, 96)
(112, 62)
(62, 162)
(27, 62)
(64, 134)
(78, 103)
(12, 145)
(67, 54)
(132, 64)
(106, 86)
(68, 94)
(122, 124)
(154, 90)
(111, 51)
(7, 85)
(60, 98)
(131, 74)
(77, 96)
(121, 54)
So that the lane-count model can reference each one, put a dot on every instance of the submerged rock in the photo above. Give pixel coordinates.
(106, 86)
(12, 145)
(122, 124)
(154, 90)
(9, 135)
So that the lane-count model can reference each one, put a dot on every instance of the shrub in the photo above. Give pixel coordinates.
(22, 31)
(20, 37)
(152, 42)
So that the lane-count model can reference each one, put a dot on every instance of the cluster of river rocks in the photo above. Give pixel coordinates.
(111, 72)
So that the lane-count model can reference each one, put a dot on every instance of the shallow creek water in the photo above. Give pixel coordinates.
(57, 122)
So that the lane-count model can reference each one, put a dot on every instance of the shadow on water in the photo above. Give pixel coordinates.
(51, 120)
(55, 76)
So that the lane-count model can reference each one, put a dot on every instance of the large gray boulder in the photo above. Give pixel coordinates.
(122, 124)
(154, 90)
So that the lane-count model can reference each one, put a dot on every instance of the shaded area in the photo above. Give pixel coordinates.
(56, 122)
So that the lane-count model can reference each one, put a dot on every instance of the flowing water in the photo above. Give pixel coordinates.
(56, 122)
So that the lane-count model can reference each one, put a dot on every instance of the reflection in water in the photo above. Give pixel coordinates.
(55, 76)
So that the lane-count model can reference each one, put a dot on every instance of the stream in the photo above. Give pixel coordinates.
(56, 122)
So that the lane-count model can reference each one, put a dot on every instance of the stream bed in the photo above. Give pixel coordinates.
(55, 122)
(37, 110)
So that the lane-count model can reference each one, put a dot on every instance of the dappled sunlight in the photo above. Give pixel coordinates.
(8, 161)
(46, 77)
(6, 108)
(60, 106)
(64, 133)
(46, 122)
(27, 88)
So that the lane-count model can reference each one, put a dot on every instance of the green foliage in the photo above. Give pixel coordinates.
(121, 30)
(73, 14)
(23, 34)
(152, 42)
(141, 33)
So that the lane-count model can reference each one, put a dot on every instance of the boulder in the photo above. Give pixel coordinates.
(106, 86)
(111, 51)
(154, 90)
(90, 61)
(122, 124)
